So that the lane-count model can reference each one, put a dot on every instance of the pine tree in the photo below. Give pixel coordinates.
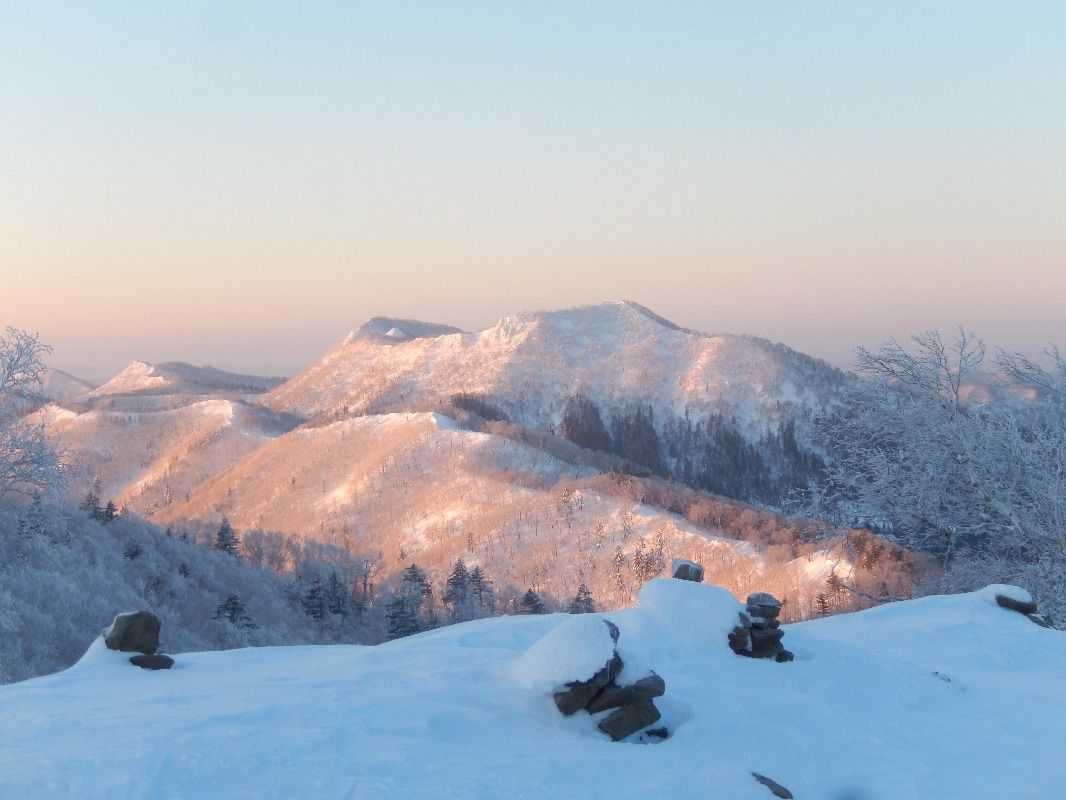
(91, 505)
(233, 611)
(109, 513)
(482, 591)
(582, 602)
(821, 603)
(457, 595)
(337, 601)
(226, 539)
(314, 602)
(531, 603)
(402, 617)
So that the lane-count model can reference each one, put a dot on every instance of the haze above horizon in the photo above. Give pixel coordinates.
(239, 185)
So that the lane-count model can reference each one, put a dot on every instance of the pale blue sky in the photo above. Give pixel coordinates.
(242, 183)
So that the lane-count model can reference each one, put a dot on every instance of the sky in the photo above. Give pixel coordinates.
(241, 184)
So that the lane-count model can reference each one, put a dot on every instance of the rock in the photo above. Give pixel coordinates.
(628, 720)
(775, 788)
(1021, 606)
(763, 599)
(783, 656)
(763, 622)
(766, 643)
(578, 694)
(686, 570)
(157, 661)
(613, 629)
(658, 733)
(739, 641)
(137, 632)
(1043, 620)
(612, 696)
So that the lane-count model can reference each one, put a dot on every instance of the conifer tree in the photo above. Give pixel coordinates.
(482, 591)
(109, 513)
(401, 617)
(457, 595)
(337, 601)
(531, 603)
(314, 602)
(233, 611)
(226, 539)
(582, 602)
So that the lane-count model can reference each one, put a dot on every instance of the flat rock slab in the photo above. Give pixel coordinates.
(137, 632)
(157, 661)
(1021, 606)
(628, 720)
(578, 694)
(617, 696)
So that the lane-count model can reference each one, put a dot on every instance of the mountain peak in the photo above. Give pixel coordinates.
(395, 330)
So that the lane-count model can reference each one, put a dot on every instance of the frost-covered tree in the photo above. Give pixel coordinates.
(28, 462)
(979, 485)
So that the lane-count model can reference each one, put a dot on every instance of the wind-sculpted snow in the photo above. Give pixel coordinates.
(948, 697)
(617, 353)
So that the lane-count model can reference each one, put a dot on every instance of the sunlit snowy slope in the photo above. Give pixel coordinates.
(945, 697)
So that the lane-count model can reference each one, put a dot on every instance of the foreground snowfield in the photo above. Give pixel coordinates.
(945, 697)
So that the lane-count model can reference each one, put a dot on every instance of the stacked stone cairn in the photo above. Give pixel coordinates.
(633, 705)
(138, 632)
(759, 633)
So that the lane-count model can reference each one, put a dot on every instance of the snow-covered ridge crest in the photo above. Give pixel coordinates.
(618, 353)
(177, 377)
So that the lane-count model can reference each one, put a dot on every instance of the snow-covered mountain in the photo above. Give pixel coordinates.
(179, 378)
(617, 353)
(186, 445)
(945, 697)
(60, 385)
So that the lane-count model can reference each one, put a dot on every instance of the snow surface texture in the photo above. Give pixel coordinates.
(944, 697)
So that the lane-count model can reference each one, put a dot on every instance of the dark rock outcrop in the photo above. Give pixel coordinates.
(137, 632)
(775, 788)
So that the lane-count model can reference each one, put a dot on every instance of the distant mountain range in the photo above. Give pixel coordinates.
(508, 447)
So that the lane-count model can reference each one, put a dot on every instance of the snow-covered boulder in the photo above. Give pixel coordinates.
(686, 570)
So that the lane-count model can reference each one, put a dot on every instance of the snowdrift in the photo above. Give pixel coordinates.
(944, 697)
